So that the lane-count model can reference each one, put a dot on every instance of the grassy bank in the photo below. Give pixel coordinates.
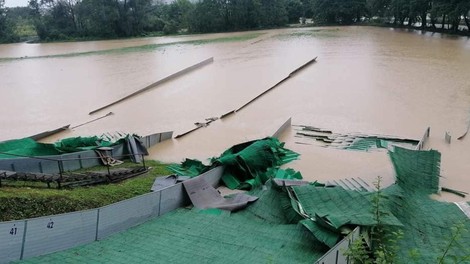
(26, 202)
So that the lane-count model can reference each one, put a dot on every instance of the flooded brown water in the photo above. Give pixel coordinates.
(369, 80)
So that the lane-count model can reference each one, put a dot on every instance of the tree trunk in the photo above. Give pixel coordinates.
(456, 23)
(433, 22)
(411, 21)
(424, 22)
(443, 21)
(467, 22)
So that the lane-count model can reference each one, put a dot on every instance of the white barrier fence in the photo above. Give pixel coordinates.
(39, 236)
(72, 161)
(336, 254)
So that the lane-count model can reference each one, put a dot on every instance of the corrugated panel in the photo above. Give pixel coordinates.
(173, 197)
(123, 215)
(54, 233)
(213, 176)
(11, 240)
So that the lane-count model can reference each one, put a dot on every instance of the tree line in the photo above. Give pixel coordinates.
(103, 19)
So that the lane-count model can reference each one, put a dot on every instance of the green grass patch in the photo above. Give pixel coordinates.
(143, 48)
(26, 202)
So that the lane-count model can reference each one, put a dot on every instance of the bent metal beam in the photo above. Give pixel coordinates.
(150, 86)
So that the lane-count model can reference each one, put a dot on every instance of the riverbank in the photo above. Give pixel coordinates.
(18, 201)
(426, 29)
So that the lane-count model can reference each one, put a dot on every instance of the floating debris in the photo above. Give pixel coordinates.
(199, 125)
(448, 137)
(353, 141)
(93, 120)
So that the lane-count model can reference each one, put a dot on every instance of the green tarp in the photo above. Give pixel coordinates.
(27, 147)
(247, 165)
(417, 171)
(426, 223)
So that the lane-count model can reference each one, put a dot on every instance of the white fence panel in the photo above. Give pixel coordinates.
(213, 176)
(54, 233)
(123, 215)
(173, 197)
(11, 240)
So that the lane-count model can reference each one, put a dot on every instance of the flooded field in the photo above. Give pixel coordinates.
(366, 80)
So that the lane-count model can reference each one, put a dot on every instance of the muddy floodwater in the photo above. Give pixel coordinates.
(367, 80)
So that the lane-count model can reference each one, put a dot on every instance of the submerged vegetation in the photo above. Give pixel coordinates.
(24, 202)
(53, 20)
(144, 48)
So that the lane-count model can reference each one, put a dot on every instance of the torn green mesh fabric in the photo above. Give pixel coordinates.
(247, 165)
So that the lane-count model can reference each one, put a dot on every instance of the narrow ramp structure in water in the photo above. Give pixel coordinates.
(153, 85)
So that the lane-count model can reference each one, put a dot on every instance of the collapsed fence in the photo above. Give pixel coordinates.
(72, 161)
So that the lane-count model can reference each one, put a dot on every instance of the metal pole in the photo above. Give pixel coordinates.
(143, 160)
(109, 173)
(59, 163)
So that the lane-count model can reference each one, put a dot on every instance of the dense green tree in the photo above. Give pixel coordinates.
(420, 8)
(273, 13)
(207, 16)
(21, 21)
(7, 32)
(244, 14)
(378, 8)
(295, 10)
(99, 18)
(338, 11)
(227, 15)
(74, 19)
(175, 16)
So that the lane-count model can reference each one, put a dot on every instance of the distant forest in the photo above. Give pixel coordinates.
(52, 20)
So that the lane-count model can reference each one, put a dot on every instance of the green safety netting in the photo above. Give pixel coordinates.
(330, 210)
(25, 147)
(427, 227)
(247, 165)
(374, 143)
(82, 143)
(258, 234)
(426, 223)
(285, 227)
(273, 206)
(417, 170)
(189, 167)
(28, 147)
